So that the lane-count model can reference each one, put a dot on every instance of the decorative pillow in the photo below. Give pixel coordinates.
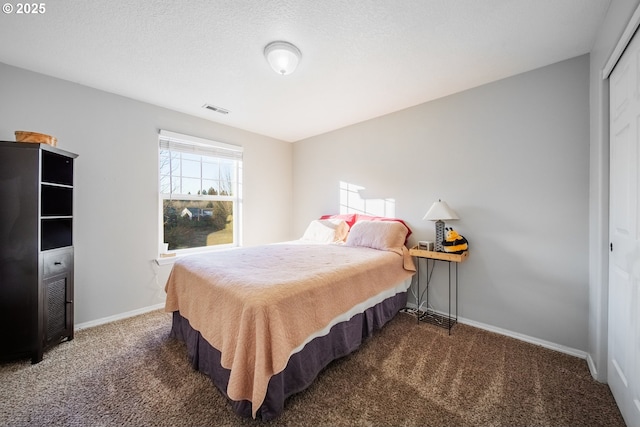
(326, 231)
(362, 217)
(350, 219)
(383, 235)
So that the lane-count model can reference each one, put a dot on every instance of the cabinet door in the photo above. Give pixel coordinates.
(58, 305)
(57, 287)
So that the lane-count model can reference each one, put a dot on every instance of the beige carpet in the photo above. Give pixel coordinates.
(131, 373)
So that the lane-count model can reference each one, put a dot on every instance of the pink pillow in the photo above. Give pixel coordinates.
(362, 217)
(350, 219)
(382, 235)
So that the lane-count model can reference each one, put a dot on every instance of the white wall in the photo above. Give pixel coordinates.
(610, 31)
(512, 158)
(116, 219)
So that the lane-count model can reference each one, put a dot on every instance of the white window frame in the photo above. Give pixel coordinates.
(190, 144)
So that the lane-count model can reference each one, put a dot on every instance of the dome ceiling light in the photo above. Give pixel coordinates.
(282, 56)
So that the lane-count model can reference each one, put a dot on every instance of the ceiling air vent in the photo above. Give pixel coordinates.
(216, 109)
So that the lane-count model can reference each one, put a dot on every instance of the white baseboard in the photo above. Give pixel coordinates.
(592, 368)
(120, 316)
(542, 343)
(526, 338)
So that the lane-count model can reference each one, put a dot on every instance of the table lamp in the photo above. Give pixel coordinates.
(439, 212)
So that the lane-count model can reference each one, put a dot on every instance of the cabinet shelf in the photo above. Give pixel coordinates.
(53, 184)
(56, 233)
(57, 168)
(56, 201)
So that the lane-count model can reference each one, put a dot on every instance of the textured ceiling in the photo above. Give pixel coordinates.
(360, 59)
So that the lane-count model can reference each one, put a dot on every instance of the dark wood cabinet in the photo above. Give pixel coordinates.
(36, 248)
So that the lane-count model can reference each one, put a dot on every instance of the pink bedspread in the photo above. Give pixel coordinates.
(257, 305)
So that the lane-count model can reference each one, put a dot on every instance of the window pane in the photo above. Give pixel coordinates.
(190, 186)
(190, 156)
(175, 164)
(210, 187)
(210, 170)
(227, 178)
(192, 224)
(165, 184)
(190, 168)
(165, 163)
(226, 170)
(169, 162)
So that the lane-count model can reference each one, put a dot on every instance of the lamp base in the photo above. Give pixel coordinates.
(439, 236)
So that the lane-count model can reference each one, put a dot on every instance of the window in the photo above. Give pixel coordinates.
(200, 192)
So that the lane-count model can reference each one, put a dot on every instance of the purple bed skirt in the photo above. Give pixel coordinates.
(303, 367)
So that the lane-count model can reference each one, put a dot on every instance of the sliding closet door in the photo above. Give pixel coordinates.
(624, 256)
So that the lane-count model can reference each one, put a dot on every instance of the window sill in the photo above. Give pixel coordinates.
(170, 257)
(165, 259)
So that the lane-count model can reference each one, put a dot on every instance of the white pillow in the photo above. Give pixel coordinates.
(383, 235)
(326, 231)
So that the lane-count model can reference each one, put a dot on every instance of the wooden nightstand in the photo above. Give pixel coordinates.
(431, 316)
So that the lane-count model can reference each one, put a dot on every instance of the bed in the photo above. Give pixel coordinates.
(262, 322)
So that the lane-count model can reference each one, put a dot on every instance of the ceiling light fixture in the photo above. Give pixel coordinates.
(282, 56)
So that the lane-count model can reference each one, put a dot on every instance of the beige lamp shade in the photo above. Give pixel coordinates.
(439, 212)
